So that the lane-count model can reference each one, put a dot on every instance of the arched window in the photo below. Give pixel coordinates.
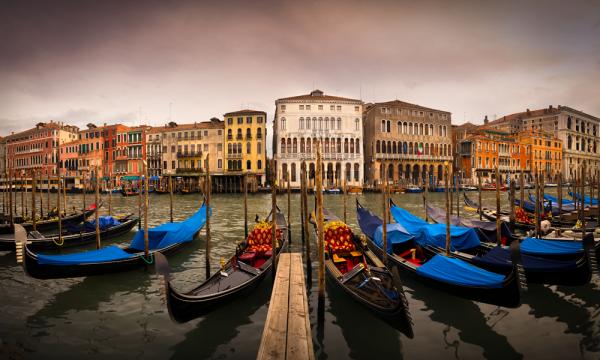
(248, 165)
(229, 148)
(283, 146)
(259, 148)
(388, 126)
(308, 146)
(345, 146)
(389, 147)
(410, 148)
(356, 172)
(302, 145)
(339, 123)
(426, 148)
(326, 150)
(315, 126)
(259, 164)
(229, 165)
(239, 150)
(295, 146)
(301, 123)
(382, 125)
(357, 146)
(308, 123)
(405, 126)
(248, 147)
(348, 172)
(282, 123)
(569, 123)
(399, 126)
(332, 123)
(394, 149)
(383, 147)
(351, 146)
(320, 123)
(284, 171)
(248, 133)
(259, 133)
(426, 129)
(390, 172)
(289, 146)
(325, 124)
(410, 128)
(239, 134)
(339, 146)
(356, 124)
(293, 172)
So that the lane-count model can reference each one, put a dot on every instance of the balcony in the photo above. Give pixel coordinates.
(412, 157)
(259, 136)
(313, 156)
(188, 154)
(248, 137)
(189, 171)
(229, 137)
(239, 137)
(235, 156)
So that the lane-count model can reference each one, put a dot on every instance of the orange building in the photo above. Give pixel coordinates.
(543, 152)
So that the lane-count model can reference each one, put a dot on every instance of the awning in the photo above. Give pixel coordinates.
(130, 177)
(154, 177)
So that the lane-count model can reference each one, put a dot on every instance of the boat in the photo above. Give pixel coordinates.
(356, 270)
(492, 187)
(496, 257)
(551, 185)
(468, 188)
(238, 276)
(587, 199)
(567, 205)
(352, 189)
(185, 191)
(166, 238)
(413, 189)
(397, 189)
(129, 192)
(522, 219)
(446, 273)
(51, 223)
(75, 235)
(335, 191)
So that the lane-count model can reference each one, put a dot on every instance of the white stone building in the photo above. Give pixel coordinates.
(301, 122)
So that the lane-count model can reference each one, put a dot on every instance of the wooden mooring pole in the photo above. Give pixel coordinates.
(498, 216)
(479, 195)
(208, 193)
(33, 189)
(320, 226)
(97, 201)
(289, 208)
(245, 205)
(274, 215)
(171, 195)
(447, 193)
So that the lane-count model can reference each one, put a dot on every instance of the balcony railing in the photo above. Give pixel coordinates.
(411, 157)
(229, 137)
(326, 156)
(185, 154)
(189, 171)
(235, 156)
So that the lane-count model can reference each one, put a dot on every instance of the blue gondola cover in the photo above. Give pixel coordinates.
(109, 253)
(396, 234)
(458, 272)
(462, 238)
(500, 256)
(535, 246)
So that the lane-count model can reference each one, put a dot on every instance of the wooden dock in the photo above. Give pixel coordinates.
(287, 332)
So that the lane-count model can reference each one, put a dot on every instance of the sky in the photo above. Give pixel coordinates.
(136, 62)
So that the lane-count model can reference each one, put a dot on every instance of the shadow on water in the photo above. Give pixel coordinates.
(89, 294)
(223, 325)
(465, 316)
(359, 326)
(576, 307)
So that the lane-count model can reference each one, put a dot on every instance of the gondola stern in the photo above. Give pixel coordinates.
(407, 325)
(591, 252)
(518, 269)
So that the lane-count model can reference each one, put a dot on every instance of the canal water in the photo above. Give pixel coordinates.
(123, 315)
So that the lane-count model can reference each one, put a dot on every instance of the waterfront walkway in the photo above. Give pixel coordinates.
(287, 332)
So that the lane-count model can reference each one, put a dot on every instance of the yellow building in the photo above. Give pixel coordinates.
(545, 152)
(245, 146)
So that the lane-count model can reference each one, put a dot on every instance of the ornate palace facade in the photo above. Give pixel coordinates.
(301, 122)
(407, 140)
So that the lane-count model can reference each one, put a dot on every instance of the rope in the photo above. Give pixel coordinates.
(149, 262)
(62, 241)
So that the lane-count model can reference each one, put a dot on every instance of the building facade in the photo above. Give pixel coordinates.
(245, 144)
(406, 140)
(2, 156)
(302, 122)
(38, 148)
(578, 132)
(154, 151)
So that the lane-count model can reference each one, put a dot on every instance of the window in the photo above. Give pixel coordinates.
(320, 107)
(301, 123)
(205, 147)
(229, 121)
(240, 120)
(301, 107)
(356, 124)
(219, 147)
(259, 133)
(248, 119)
(259, 164)
(206, 133)
(339, 123)
(339, 108)
(282, 109)
(248, 165)
(259, 147)
(357, 108)
(173, 165)
(248, 147)
(219, 163)
(331, 107)
(259, 119)
(282, 123)
(308, 107)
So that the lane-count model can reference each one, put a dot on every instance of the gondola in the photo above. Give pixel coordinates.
(51, 223)
(129, 192)
(166, 238)
(449, 274)
(74, 235)
(566, 207)
(587, 200)
(496, 257)
(551, 247)
(356, 270)
(185, 191)
(238, 276)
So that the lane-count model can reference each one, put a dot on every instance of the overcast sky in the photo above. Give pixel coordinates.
(120, 61)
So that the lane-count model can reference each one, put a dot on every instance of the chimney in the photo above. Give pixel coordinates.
(550, 107)
(528, 112)
(485, 120)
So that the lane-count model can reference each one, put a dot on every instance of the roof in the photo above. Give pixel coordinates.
(246, 112)
(525, 115)
(403, 104)
(193, 126)
(317, 95)
(43, 125)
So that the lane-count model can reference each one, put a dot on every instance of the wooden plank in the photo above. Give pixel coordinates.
(299, 339)
(273, 342)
